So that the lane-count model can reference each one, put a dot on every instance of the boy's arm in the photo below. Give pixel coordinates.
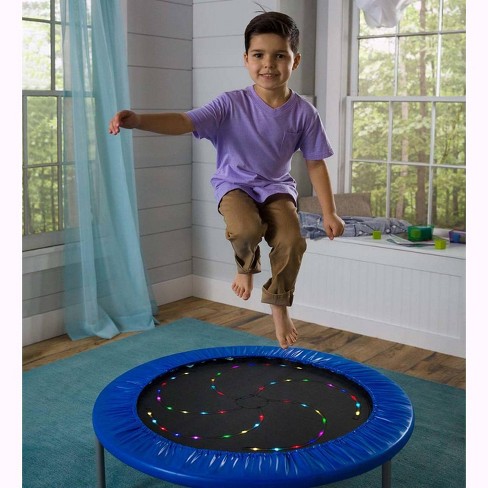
(319, 177)
(163, 123)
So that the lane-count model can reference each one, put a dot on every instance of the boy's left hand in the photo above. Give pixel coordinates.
(333, 225)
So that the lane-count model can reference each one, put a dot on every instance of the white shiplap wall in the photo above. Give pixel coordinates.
(160, 74)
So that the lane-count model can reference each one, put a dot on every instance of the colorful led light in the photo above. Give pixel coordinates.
(260, 389)
(195, 437)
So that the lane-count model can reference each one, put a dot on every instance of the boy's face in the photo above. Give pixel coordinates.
(270, 61)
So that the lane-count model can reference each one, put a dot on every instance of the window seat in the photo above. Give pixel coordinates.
(410, 295)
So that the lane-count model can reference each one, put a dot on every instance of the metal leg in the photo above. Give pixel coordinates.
(100, 452)
(386, 475)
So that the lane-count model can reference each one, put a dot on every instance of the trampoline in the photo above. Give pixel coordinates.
(252, 416)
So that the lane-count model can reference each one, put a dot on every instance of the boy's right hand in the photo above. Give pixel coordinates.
(126, 119)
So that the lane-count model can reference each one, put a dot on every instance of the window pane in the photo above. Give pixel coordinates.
(420, 16)
(36, 9)
(36, 59)
(366, 30)
(42, 147)
(454, 15)
(90, 146)
(376, 66)
(409, 191)
(57, 10)
(43, 201)
(411, 132)
(371, 178)
(449, 207)
(370, 131)
(453, 65)
(417, 65)
(450, 134)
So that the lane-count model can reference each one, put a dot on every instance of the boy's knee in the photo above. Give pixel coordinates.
(246, 231)
(293, 238)
(293, 243)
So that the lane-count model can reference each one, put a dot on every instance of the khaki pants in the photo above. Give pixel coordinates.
(247, 222)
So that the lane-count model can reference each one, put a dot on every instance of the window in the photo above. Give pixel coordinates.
(406, 116)
(42, 90)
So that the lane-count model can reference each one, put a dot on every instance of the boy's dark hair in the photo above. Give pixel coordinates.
(273, 23)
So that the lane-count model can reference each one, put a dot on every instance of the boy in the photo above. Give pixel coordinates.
(256, 130)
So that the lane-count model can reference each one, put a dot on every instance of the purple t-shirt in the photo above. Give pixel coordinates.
(255, 143)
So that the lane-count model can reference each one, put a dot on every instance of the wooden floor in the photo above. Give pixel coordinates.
(420, 363)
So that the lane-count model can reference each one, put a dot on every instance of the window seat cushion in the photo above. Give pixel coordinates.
(311, 225)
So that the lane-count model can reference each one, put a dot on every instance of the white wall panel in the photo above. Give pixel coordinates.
(224, 18)
(203, 151)
(41, 304)
(166, 248)
(201, 186)
(218, 52)
(43, 283)
(211, 245)
(159, 52)
(170, 272)
(163, 219)
(206, 214)
(166, 185)
(208, 83)
(157, 150)
(154, 88)
(159, 18)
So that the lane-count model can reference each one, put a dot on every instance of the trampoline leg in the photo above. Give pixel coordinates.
(386, 475)
(100, 465)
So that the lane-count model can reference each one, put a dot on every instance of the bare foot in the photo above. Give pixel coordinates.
(286, 333)
(242, 285)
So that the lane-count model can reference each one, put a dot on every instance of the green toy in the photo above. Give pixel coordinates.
(418, 233)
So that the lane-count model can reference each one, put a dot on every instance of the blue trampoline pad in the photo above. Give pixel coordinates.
(253, 416)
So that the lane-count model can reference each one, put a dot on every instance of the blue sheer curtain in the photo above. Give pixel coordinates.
(105, 282)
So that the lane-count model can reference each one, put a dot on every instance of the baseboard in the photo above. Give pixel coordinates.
(173, 290)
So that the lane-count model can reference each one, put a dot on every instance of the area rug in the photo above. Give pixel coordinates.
(59, 443)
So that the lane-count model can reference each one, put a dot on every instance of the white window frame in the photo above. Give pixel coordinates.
(55, 238)
(353, 97)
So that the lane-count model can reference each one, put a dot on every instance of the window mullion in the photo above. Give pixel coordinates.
(53, 47)
(430, 196)
(396, 61)
(439, 50)
(60, 162)
(348, 148)
(389, 158)
(354, 43)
